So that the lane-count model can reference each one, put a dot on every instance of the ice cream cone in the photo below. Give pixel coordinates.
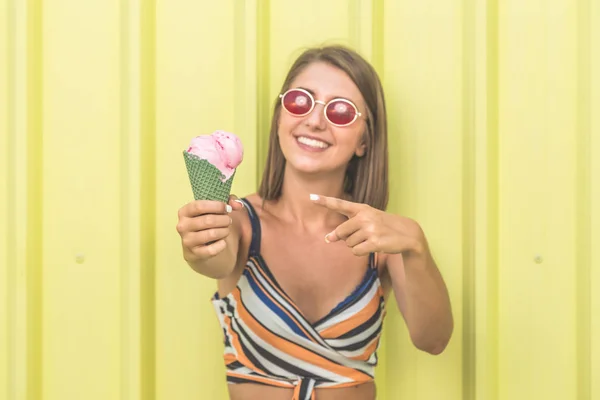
(206, 179)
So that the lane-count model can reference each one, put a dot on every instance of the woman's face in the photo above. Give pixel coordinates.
(311, 144)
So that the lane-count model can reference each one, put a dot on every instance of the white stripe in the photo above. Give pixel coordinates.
(355, 308)
(266, 363)
(247, 372)
(310, 368)
(283, 302)
(253, 374)
(217, 306)
(337, 343)
(243, 370)
(275, 324)
(355, 353)
(309, 389)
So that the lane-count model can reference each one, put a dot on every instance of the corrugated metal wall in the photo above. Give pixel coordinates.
(495, 143)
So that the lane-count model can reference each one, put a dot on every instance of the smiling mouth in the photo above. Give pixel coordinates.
(314, 143)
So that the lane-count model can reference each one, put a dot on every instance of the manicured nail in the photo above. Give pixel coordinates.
(241, 202)
(327, 238)
(228, 208)
(314, 197)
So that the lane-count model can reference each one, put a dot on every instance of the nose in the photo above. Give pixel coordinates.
(316, 119)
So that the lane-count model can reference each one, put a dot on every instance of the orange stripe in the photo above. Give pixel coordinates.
(352, 321)
(292, 349)
(235, 343)
(281, 308)
(229, 358)
(343, 385)
(274, 286)
(368, 351)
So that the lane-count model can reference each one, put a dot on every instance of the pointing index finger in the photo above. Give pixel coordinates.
(344, 207)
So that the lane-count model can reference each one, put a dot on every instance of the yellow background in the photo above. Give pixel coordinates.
(495, 148)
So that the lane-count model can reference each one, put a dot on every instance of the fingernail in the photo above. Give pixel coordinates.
(241, 202)
(327, 238)
(314, 197)
(228, 208)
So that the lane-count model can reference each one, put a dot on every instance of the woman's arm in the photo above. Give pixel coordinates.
(421, 294)
(418, 286)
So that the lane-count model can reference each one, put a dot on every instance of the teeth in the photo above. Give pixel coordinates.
(313, 142)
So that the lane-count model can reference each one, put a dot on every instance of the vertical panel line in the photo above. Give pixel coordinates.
(11, 179)
(584, 213)
(245, 72)
(492, 102)
(378, 25)
(148, 199)
(242, 108)
(263, 71)
(25, 200)
(354, 24)
(34, 246)
(5, 176)
(484, 381)
(361, 26)
(468, 211)
(131, 312)
(594, 199)
(239, 56)
(125, 381)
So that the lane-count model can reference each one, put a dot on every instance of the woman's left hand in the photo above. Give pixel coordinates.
(369, 230)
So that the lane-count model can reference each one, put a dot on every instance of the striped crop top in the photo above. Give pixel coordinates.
(269, 341)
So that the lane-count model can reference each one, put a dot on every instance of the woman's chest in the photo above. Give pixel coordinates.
(316, 275)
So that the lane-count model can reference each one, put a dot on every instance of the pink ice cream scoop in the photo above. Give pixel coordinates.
(222, 149)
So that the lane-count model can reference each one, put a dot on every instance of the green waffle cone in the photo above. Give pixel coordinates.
(205, 179)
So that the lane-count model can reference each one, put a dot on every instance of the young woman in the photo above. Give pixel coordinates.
(305, 266)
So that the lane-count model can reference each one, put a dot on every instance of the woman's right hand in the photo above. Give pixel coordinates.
(203, 226)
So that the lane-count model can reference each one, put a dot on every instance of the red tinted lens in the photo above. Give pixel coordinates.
(341, 112)
(297, 102)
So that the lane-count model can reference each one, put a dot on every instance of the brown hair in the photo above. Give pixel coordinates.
(367, 176)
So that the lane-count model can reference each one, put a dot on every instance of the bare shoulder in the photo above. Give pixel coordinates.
(257, 202)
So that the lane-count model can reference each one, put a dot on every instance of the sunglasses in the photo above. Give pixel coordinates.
(339, 112)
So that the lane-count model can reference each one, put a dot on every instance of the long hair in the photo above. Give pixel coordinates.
(366, 179)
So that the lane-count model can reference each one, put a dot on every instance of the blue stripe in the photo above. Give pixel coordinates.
(368, 280)
(272, 306)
